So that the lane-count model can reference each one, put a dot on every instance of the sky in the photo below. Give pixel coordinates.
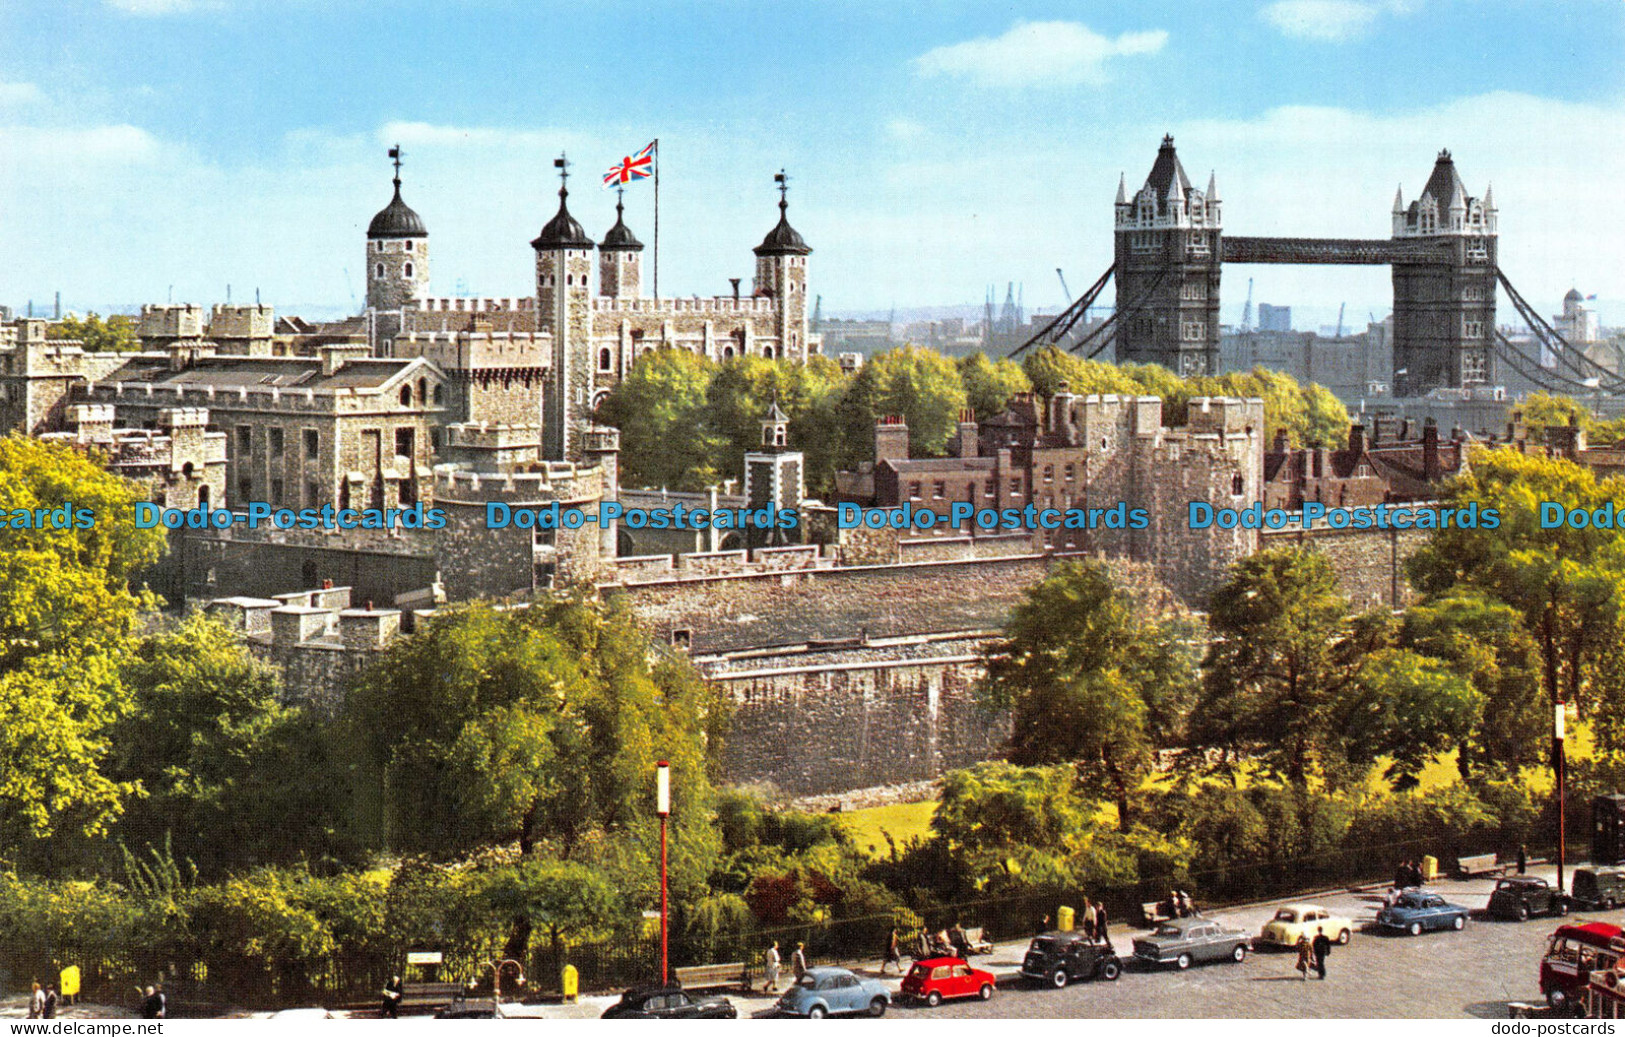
(164, 149)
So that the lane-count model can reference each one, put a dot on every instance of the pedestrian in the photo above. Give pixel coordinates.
(1306, 956)
(1086, 920)
(1100, 924)
(1043, 926)
(798, 961)
(1323, 949)
(770, 964)
(49, 1011)
(1523, 859)
(163, 1002)
(149, 1003)
(391, 1007)
(1402, 873)
(36, 1002)
(894, 954)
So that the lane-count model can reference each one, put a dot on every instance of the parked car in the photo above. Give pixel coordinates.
(1058, 958)
(1185, 941)
(1296, 920)
(1598, 889)
(669, 1002)
(934, 980)
(832, 991)
(1575, 951)
(1525, 895)
(1418, 909)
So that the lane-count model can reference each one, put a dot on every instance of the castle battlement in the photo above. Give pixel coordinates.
(551, 481)
(724, 304)
(481, 305)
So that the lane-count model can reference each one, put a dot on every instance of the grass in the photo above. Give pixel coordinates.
(903, 821)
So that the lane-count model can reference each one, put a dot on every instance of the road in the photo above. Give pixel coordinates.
(1472, 973)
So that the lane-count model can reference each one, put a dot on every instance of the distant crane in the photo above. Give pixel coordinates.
(1247, 310)
(1340, 310)
(1065, 291)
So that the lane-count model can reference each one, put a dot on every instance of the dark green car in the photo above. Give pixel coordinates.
(1598, 889)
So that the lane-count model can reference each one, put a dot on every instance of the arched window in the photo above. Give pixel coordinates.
(408, 246)
(1238, 486)
(605, 359)
(439, 394)
(406, 396)
(380, 266)
(409, 270)
(203, 496)
(727, 352)
(423, 390)
(767, 351)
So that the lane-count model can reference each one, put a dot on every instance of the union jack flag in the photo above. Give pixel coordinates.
(634, 167)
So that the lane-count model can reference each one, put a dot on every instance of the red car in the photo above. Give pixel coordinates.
(1575, 951)
(932, 979)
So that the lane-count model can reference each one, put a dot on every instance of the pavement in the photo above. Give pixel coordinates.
(1474, 973)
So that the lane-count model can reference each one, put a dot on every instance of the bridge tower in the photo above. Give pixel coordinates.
(1167, 268)
(1444, 309)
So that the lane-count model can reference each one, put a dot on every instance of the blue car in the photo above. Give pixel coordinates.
(1417, 909)
(832, 991)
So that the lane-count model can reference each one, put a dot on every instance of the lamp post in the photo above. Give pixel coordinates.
(1558, 718)
(663, 808)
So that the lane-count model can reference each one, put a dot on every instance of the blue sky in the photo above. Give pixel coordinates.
(935, 148)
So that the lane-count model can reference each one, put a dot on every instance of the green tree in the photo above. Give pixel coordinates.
(66, 608)
(660, 408)
(990, 384)
(920, 385)
(1050, 368)
(746, 387)
(1084, 675)
(114, 334)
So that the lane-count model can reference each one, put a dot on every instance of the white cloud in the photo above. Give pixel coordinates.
(19, 93)
(1327, 21)
(1037, 54)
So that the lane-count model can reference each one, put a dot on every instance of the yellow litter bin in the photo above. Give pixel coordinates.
(1430, 868)
(570, 983)
(1065, 917)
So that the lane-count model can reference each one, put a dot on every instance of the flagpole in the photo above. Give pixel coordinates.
(657, 218)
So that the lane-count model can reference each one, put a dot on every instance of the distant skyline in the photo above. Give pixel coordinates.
(935, 149)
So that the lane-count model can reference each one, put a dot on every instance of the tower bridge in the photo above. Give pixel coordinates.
(1170, 248)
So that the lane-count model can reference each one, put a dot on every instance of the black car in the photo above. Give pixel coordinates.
(1057, 958)
(1598, 889)
(1524, 895)
(669, 1003)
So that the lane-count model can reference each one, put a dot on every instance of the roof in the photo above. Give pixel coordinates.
(783, 240)
(396, 220)
(1573, 295)
(264, 373)
(634, 993)
(946, 959)
(828, 970)
(1165, 171)
(620, 238)
(1445, 181)
(1595, 932)
(562, 231)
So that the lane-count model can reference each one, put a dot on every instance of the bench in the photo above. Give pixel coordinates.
(976, 939)
(1480, 864)
(1152, 913)
(714, 977)
(429, 996)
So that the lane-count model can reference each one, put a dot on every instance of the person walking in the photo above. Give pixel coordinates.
(1306, 956)
(1101, 933)
(798, 961)
(1043, 926)
(49, 1011)
(1523, 859)
(163, 1002)
(36, 1002)
(770, 965)
(1086, 920)
(1323, 949)
(894, 954)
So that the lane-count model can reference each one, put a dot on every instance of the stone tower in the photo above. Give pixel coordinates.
(1167, 267)
(781, 273)
(564, 311)
(620, 255)
(1444, 304)
(397, 263)
(775, 477)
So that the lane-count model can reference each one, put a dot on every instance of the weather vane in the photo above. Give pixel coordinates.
(562, 164)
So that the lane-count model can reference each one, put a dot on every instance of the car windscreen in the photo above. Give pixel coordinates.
(808, 981)
(1169, 931)
(1286, 915)
(1044, 945)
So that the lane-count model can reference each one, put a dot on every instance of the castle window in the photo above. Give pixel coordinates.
(1194, 331)
(991, 491)
(439, 394)
(605, 360)
(276, 491)
(380, 270)
(423, 390)
(313, 443)
(380, 247)
(409, 491)
(313, 492)
(203, 496)
(245, 489)
(1049, 473)
(1070, 472)
(727, 352)
(1476, 249)
(406, 396)
(914, 491)
(1238, 486)
(245, 438)
(275, 436)
(939, 489)
(403, 442)
(1015, 487)
(1472, 329)
(407, 246)
(409, 270)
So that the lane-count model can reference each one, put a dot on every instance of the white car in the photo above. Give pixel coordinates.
(1295, 920)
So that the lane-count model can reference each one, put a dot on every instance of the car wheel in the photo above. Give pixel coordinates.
(817, 1012)
(933, 999)
(1239, 952)
(1058, 978)
(877, 1007)
(1184, 961)
(986, 992)
(1557, 1000)
(1523, 912)
(1344, 937)
(1415, 929)
(1458, 923)
(1111, 970)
